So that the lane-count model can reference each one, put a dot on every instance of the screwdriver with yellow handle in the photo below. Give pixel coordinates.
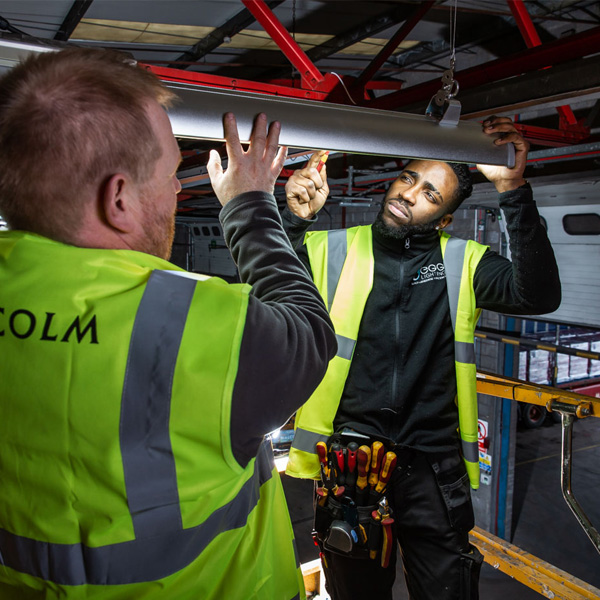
(325, 468)
(389, 464)
(377, 452)
(363, 458)
(322, 161)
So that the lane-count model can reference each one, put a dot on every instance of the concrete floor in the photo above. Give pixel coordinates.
(543, 524)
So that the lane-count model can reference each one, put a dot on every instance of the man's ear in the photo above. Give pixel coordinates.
(445, 221)
(117, 203)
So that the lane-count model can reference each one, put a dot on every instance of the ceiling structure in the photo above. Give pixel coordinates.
(535, 61)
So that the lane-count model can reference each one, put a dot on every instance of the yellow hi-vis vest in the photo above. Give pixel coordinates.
(342, 264)
(118, 479)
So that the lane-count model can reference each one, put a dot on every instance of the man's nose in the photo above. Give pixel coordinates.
(410, 194)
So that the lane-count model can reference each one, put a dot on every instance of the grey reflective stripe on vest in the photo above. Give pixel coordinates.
(345, 346)
(307, 440)
(470, 451)
(337, 248)
(139, 560)
(161, 547)
(464, 352)
(148, 462)
(454, 259)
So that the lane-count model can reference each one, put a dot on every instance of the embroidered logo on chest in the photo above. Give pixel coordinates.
(432, 272)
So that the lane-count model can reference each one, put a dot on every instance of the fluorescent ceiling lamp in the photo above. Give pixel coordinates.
(12, 53)
(317, 125)
(335, 127)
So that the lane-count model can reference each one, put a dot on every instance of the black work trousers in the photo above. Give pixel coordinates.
(431, 502)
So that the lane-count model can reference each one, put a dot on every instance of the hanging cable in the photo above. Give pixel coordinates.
(442, 107)
(344, 86)
(453, 21)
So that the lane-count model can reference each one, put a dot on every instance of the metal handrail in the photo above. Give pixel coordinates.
(567, 420)
(571, 406)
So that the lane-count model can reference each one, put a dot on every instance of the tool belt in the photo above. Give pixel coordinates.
(352, 515)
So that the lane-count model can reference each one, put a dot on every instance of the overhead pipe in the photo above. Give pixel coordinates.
(316, 125)
(334, 127)
(13, 52)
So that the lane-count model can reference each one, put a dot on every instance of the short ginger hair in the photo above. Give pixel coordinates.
(69, 120)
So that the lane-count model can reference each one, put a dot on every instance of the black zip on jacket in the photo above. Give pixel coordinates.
(402, 382)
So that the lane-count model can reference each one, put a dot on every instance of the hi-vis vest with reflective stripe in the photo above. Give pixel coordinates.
(342, 264)
(118, 479)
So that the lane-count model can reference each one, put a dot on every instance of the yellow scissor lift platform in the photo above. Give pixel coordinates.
(535, 573)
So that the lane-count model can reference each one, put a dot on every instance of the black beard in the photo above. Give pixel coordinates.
(400, 232)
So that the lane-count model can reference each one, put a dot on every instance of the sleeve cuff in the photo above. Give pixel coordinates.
(287, 216)
(520, 195)
(246, 201)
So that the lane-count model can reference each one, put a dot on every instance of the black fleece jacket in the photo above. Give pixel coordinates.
(402, 384)
(288, 339)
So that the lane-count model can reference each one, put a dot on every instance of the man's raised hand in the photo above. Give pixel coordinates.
(307, 189)
(253, 170)
(503, 178)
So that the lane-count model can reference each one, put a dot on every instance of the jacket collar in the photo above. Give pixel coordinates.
(410, 246)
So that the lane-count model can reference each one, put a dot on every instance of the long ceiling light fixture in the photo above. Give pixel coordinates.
(13, 52)
(335, 127)
(317, 125)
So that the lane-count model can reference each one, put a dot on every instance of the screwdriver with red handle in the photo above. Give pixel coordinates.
(389, 464)
(325, 470)
(322, 161)
(377, 452)
(337, 458)
(351, 474)
(377, 455)
(363, 458)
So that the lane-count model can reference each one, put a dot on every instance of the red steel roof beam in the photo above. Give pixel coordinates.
(543, 136)
(389, 48)
(311, 76)
(524, 23)
(553, 53)
(233, 83)
(532, 39)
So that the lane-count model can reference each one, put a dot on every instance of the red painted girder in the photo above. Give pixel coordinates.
(233, 83)
(395, 40)
(532, 39)
(553, 53)
(543, 136)
(271, 24)
(329, 82)
(524, 23)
